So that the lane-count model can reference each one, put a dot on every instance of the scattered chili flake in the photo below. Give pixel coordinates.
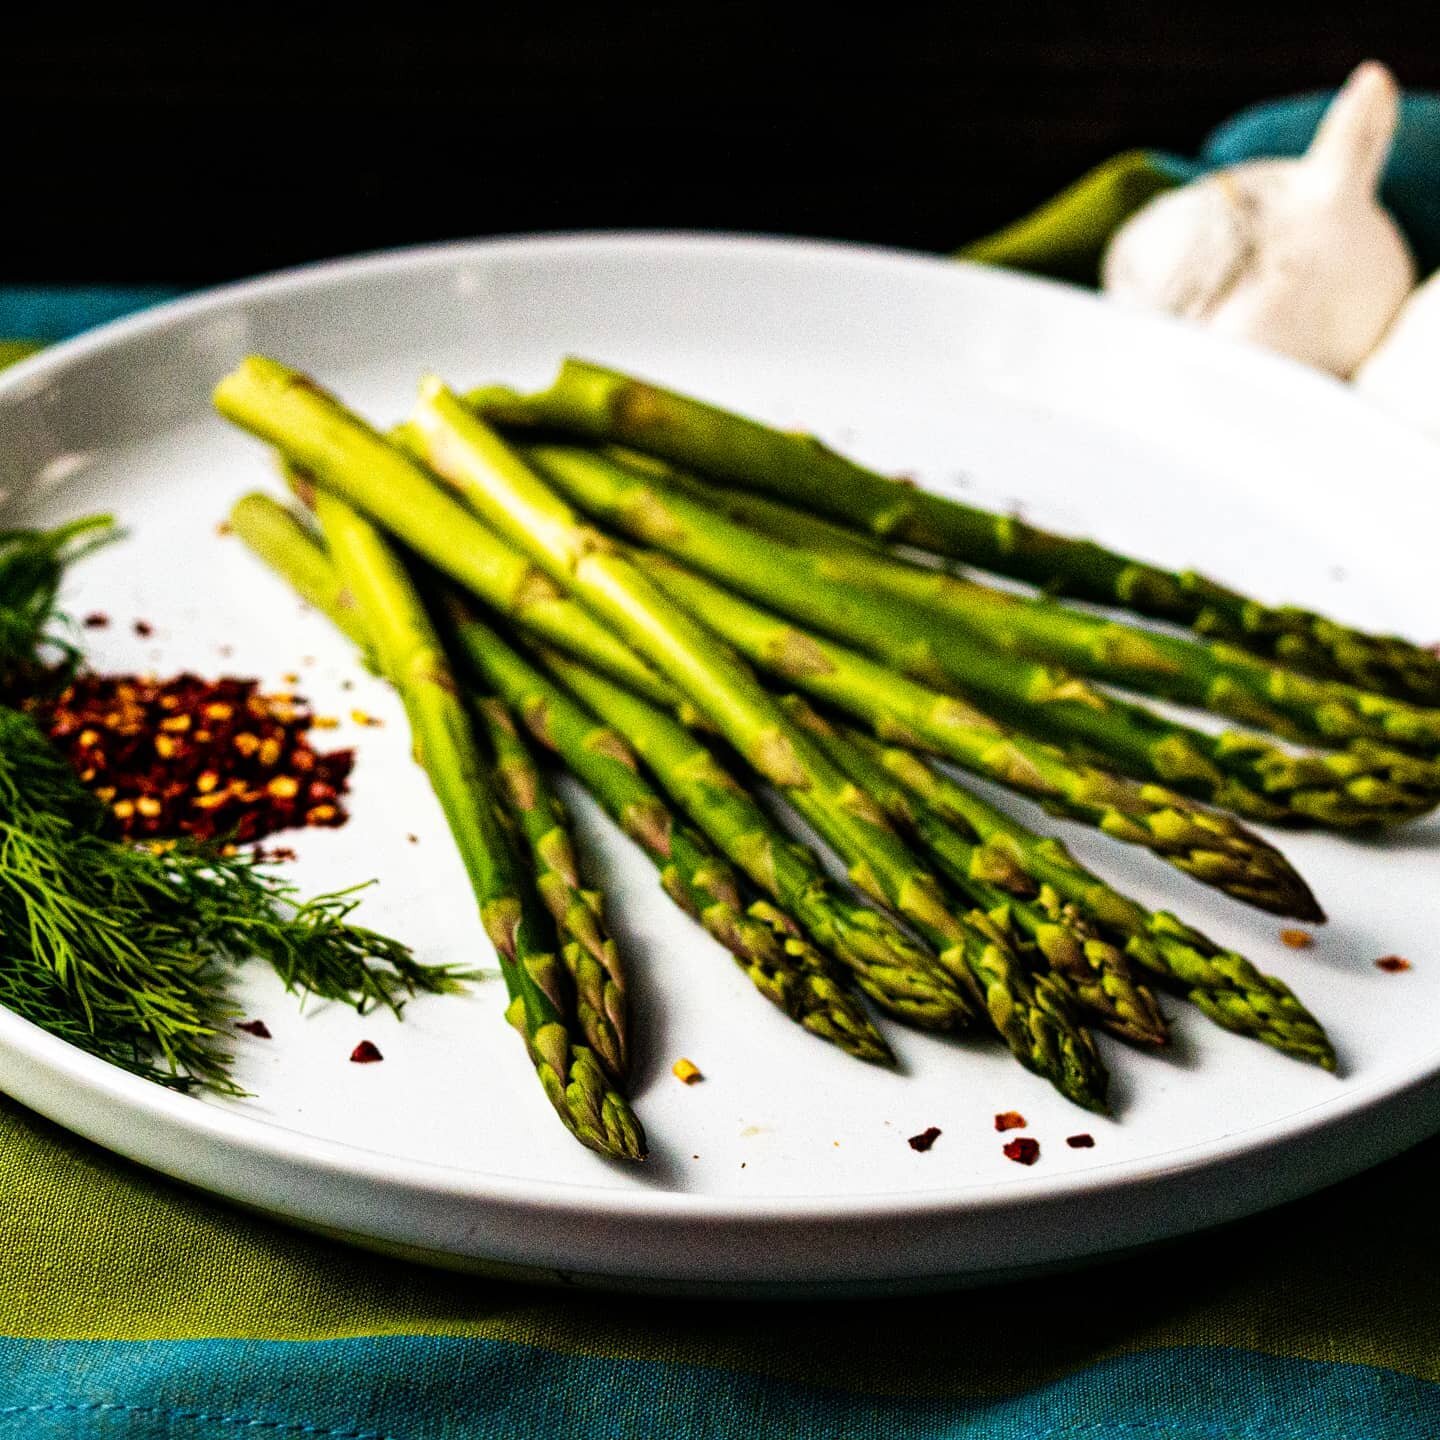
(144, 629)
(326, 722)
(1393, 964)
(211, 759)
(925, 1139)
(96, 620)
(1083, 1141)
(224, 528)
(258, 1028)
(413, 839)
(1009, 1120)
(1022, 1150)
(362, 717)
(365, 1053)
(1297, 939)
(274, 854)
(686, 1071)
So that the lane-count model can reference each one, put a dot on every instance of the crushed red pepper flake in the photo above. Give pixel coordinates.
(223, 528)
(1009, 1120)
(1393, 964)
(1083, 1141)
(96, 620)
(1022, 1150)
(209, 759)
(1297, 939)
(143, 628)
(365, 1053)
(925, 1139)
(258, 1028)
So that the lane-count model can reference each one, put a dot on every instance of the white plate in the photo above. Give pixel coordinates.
(787, 1168)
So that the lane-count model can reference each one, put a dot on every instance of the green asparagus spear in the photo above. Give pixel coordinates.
(590, 954)
(333, 447)
(411, 658)
(1095, 970)
(1235, 771)
(1210, 846)
(1208, 674)
(1033, 1018)
(765, 941)
(897, 973)
(1222, 984)
(604, 405)
(268, 527)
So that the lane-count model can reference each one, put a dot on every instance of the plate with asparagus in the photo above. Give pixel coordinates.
(830, 827)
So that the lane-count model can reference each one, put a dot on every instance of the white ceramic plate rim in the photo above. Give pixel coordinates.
(270, 1141)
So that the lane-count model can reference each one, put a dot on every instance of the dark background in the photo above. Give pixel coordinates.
(141, 151)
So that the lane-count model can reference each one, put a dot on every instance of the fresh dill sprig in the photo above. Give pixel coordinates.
(32, 564)
(126, 950)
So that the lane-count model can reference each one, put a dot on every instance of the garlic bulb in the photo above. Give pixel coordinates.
(1403, 373)
(1295, 255)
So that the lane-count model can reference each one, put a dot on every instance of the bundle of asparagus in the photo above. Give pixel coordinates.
(674, 641)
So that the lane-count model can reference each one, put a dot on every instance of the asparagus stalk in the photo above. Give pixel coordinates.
(272, 529)
(1236, 771)
(766, 942)
(411, 658)
(901, 976)
(1033, 1018)
(604, 405)
(1207, 674)
(763, 939)
(1221, 983)
(1096, 970)
(336, 449)
(590, 953)
(1209, 846)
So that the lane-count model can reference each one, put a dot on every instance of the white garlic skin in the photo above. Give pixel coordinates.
(1295, 255)
(1403, 373)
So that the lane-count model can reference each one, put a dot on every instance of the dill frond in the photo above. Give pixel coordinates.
(126, 950)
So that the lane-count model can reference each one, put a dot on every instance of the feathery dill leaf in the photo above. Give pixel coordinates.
(125, 950)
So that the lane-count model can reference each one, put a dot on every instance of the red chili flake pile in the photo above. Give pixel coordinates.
(1022, 1150)
(212, 759)
(924, 1140)
(1297, 939)
(258, 1028)
(1009, 1120)
(1393, 964)
(365, 1053)
(1082, 1141)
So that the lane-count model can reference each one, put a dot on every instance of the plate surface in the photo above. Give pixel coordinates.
(787, 1169)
